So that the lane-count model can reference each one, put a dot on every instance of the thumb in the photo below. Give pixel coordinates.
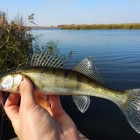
(26, 91)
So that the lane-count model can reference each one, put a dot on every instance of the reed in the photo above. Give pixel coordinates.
(101, 26)
(15, 45)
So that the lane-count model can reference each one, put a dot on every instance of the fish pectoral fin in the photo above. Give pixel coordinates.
(42, 100)
(82, 102)
(88, 68)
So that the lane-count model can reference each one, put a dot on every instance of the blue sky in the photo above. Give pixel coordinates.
(58, 12)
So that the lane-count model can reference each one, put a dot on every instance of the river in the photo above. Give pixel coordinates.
(116, 54)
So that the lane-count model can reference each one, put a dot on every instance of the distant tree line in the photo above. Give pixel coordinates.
(101, 26)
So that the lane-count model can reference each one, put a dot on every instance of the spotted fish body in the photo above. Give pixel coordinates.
(68, 82)
(80, 83)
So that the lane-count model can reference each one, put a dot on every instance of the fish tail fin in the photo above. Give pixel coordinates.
(131, 108)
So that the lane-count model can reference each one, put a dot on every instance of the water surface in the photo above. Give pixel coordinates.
(116, 52)
(117, 55)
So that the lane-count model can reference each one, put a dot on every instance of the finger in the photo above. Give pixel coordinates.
(11, 106)
(26, 91)
(56, 107)
(58, 113)
(55, 102)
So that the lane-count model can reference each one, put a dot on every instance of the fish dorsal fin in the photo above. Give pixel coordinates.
(82, 102)
(88, 68)
(47, 59)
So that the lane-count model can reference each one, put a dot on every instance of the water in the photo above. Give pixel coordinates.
(117, 55)
(116, 52)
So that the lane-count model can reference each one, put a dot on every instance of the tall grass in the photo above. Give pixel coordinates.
(101, 26)
(15, 45)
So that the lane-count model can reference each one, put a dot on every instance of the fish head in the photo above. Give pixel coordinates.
(10, 82)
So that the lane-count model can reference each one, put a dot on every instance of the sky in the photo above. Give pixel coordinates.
(60, 12)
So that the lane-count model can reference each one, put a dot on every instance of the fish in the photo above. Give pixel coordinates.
(82, 81)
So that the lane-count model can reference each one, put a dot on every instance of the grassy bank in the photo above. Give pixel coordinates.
(15, 43)
(101, 26)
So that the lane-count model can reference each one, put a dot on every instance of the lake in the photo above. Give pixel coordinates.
(116, 54)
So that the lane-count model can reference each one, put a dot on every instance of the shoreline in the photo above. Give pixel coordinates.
(124, 26)
(129, 26)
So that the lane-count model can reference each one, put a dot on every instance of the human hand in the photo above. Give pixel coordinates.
(31, 121)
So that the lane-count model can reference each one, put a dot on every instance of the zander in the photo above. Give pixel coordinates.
(80, 82)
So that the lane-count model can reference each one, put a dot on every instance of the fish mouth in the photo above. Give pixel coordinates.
(1, 99)
(0, 87)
